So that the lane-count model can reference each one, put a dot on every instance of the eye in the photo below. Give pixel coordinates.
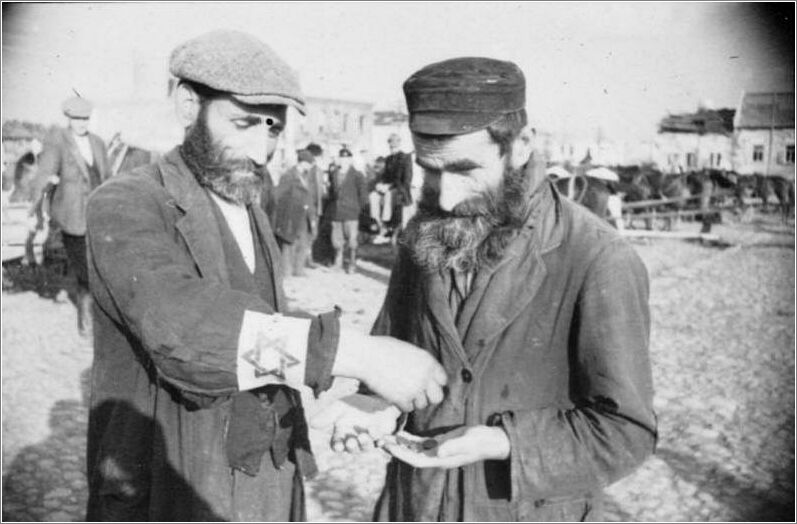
(242, 123)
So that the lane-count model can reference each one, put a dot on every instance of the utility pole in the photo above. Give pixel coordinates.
(771, 127)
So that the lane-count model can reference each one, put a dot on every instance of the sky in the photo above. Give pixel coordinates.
(608, 69)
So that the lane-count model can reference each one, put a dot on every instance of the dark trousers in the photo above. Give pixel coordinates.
(296, 254)
(75, 247)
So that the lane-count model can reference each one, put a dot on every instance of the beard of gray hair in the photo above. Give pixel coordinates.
(475, 233)
(215, 168)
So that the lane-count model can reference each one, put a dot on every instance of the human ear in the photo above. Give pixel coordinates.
(523, 147)
(186, 104)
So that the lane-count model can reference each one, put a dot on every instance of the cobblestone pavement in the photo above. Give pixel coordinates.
(722, 348)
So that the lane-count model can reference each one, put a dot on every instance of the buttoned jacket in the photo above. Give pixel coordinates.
(552, 345)
(61, 158)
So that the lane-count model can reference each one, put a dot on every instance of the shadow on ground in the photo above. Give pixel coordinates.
(748, 502)
(47, 480)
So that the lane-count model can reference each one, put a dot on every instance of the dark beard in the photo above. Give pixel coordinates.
(238, 180)
(475, 233)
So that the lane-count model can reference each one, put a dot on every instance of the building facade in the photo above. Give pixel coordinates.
(695, 141)
(764, 135)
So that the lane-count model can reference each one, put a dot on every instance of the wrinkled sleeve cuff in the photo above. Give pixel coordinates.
(322, 348)
(272, 349)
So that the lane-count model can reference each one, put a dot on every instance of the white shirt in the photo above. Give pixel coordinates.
(84, 146)
(237, 218)
(272, 349)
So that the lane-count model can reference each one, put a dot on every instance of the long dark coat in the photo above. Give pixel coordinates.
(348, 195)
(165, 349)
(552, 344)
(296, 204)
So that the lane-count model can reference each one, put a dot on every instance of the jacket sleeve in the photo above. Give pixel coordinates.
(612, 428)
(190, 327)
(406, 180)
(362, 191)
(49, 165)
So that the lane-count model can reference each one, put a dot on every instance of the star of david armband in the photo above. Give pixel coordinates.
(272, 349)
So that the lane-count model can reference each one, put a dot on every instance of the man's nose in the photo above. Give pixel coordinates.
(454, 189)
(259, 144)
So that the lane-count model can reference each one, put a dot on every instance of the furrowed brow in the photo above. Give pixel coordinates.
(457, 166)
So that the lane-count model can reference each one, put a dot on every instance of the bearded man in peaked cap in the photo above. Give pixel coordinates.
(195, 413)
(537, 310)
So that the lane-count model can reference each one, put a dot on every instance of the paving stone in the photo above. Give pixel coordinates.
(722, 343)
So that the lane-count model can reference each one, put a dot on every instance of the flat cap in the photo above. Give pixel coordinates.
(463, 95)
(303, 155)
(239, 64)
(77, 107)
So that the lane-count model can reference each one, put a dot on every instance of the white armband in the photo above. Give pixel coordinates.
(272, 349)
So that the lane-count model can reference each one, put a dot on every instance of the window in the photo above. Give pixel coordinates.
(718, 158)
(790, 154)
(691, 160)
(758, 153)
(362, 125)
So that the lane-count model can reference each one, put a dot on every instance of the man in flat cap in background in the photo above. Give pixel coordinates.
(195, 412)
(537, 309)
(73, 163)
(296, 214)
(348, 196)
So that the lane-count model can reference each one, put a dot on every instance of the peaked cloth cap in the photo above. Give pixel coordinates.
(77, 107)
(463, 95)
(239, 64)
(303, 155)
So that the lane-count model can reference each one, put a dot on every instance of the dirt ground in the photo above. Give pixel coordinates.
(722, 348)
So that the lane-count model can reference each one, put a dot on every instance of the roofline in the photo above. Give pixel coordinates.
(343, 100)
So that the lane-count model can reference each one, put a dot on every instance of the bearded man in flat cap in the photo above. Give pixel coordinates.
(73, 163)
(195, 412)
(537, 310)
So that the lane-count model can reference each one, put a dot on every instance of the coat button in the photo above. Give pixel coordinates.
(467, 376)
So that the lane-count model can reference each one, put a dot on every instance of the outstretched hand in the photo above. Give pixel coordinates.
(459, 447)
(358, 422)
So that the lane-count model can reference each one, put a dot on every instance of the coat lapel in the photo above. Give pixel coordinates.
(100, 157)
(198, 225)
(502, 292)
(436, 290)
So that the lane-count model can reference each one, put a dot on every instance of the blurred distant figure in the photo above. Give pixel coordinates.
(392, 190)
(24, 174)
(124, 157)
(296, 214)
(374, 172)
(6, 191)
(73, 163)
(321, 180)
(348, 196)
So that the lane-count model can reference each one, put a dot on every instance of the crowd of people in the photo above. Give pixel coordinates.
(353, 205)
(507, 372)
